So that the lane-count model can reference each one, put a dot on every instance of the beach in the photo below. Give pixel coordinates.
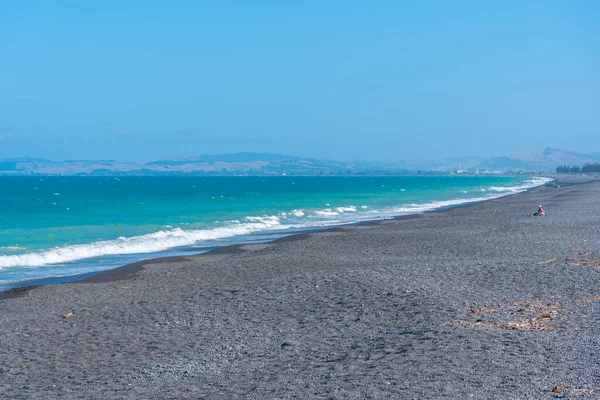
(481, 301)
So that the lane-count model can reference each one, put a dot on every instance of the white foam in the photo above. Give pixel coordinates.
(158, 241)
(502, 189)
(434, 205)
(173, 238)
(420, 208)
(11, 248)
(328, 212)
(265, 219)
(528, 184)
(345, 209)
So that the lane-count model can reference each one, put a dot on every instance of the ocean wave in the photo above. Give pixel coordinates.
(434, 205)
(294, 219)
(153, 242)
(504, 190)
(528, 184)
(328, 212)
(11, 248)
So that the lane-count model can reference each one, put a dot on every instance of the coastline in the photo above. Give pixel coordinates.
(19, 286)
(473, 300)
(126, 270)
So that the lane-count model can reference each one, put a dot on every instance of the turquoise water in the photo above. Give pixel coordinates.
(58, 226)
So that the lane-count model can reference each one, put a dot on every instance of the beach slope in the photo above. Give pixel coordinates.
(481, 301)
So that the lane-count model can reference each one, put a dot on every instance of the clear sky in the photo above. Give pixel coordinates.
(140, 80)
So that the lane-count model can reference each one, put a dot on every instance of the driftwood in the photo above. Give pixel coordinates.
(584, 259)
(546, 262)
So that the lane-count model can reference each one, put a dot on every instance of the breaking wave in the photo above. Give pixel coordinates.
(154, 242)
(528, 184)
(294, 219)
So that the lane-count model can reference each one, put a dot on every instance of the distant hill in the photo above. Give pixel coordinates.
(222, 164)
(279, 164)
(439, 165)
(548, 160)
(229, 158)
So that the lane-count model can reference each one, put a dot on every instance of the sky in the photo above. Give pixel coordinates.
(143, 80)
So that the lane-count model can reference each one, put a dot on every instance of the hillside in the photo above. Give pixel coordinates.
(224, 164)
(279, 164)
(548, 160)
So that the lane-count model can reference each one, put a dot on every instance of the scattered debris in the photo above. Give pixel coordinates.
(560, 388)
(522, 316)
(588, 300)
(584, 259)
(583, 263)
(546, 262)
(487, 309)
(68, 315)
(534, 324)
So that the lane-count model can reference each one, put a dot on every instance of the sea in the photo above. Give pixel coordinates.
(56, 228)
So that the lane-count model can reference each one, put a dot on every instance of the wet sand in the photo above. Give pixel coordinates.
(482, 301)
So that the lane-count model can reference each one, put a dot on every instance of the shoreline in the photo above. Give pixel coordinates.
(481, 301)
(21, 286)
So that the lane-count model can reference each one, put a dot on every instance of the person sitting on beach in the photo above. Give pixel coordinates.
(540, 211)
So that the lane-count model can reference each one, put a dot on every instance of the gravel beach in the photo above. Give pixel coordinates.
(483, 301)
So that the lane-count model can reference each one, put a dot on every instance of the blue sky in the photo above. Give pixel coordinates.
(347, 79)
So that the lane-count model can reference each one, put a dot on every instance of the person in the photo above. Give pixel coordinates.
(540, 211)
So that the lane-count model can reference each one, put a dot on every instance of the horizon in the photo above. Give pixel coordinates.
(269, 164)
(144, 81)
(259, 153)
